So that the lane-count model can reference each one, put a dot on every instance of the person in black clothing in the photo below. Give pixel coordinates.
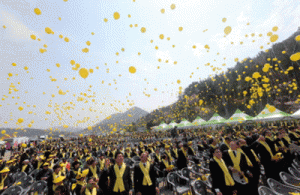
(114, 173)
(145, 177)
(222, 181)
(44, 173)
(8, 180)
(182, 160)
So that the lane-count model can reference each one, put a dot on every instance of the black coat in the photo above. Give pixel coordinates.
(217, 175)
(112, 175)
(182, 161)
(139, 176)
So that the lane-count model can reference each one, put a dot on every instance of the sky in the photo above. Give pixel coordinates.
(111, 88)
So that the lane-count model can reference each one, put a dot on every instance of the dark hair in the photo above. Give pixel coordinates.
(117, 153)
(56, 166)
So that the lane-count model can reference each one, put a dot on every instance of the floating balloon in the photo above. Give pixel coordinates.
(227, 30)
(143, 29)
(84, 73)
(116, 15)
(132, 69)
(37, 11)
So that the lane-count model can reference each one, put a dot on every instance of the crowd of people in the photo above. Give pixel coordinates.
(125, 165)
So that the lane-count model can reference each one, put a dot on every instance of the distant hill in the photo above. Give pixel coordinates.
(131, 115)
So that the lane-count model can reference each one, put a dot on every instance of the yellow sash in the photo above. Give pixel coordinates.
(192, 150)
(102, 164)
(158, 157)
(77, 172)
(2, 183)
(128, 154)
(152, 150)
(267, 147)
(235, 159)
(169, 155)
(256, 158)
(39, 164)
(24, 167)
(295, 134)
(175, 151)
(114, 152)
(214, 147)
(287, 138)
(119, 185)
(228, 179)
(184, 152)
(166, 163)
(94, 171)
(248, 160)
(145, 170)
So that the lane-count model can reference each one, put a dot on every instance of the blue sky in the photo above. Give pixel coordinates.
(79, 20)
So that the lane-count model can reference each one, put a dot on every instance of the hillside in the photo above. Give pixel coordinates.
(29, 132)
(121, 119)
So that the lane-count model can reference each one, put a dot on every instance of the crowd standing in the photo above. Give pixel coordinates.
(132, 164)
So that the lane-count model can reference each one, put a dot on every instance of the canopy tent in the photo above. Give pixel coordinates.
(184, 123)
(215, 119)
(172, 125)
(237, 117)
(198, 121)
(266, 115)
(162, 126)
(296, 114)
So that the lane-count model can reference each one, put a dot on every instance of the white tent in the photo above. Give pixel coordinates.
(198, 121)
(266, 115)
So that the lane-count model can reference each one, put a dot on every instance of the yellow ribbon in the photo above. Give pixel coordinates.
(267, 147)
(248, 160)
(119, 185)
(228, 179)
(2, 183)
(94, 171)
(145, 170)
(169, 155)
(24, 167)
(256, 158)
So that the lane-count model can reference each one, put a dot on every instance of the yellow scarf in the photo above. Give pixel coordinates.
(295, 134)
(128, 154)
(39, 164)
(56, 175)
(228, 179)
(94, 171)
(287, 138)
(2, 183)
(248, 160)
(184, 152)
(24, 167)
(119, 185)
(256, 158)
(76, 172)
(88, 192)
(166, 163)
(152, 150)
(227, 144)
(235, 159)
(169, 155)
(270, 138)
(71, 154)
(192, 150)
(214, 147)
(114, 152)
(267, 147)
(145, 170)
(175, 151)
(158, 157)
(102, 164)
(63, 155)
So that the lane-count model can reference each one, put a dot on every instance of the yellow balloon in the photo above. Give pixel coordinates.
(116, 15)
(227, 30)
(3, 131)
(295, 57)
(143, 29)
(84, 73)
(132, 69)
(274, 38)
(37, 11)
(20, 120)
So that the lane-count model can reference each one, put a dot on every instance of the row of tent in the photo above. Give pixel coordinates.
(236, 118)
